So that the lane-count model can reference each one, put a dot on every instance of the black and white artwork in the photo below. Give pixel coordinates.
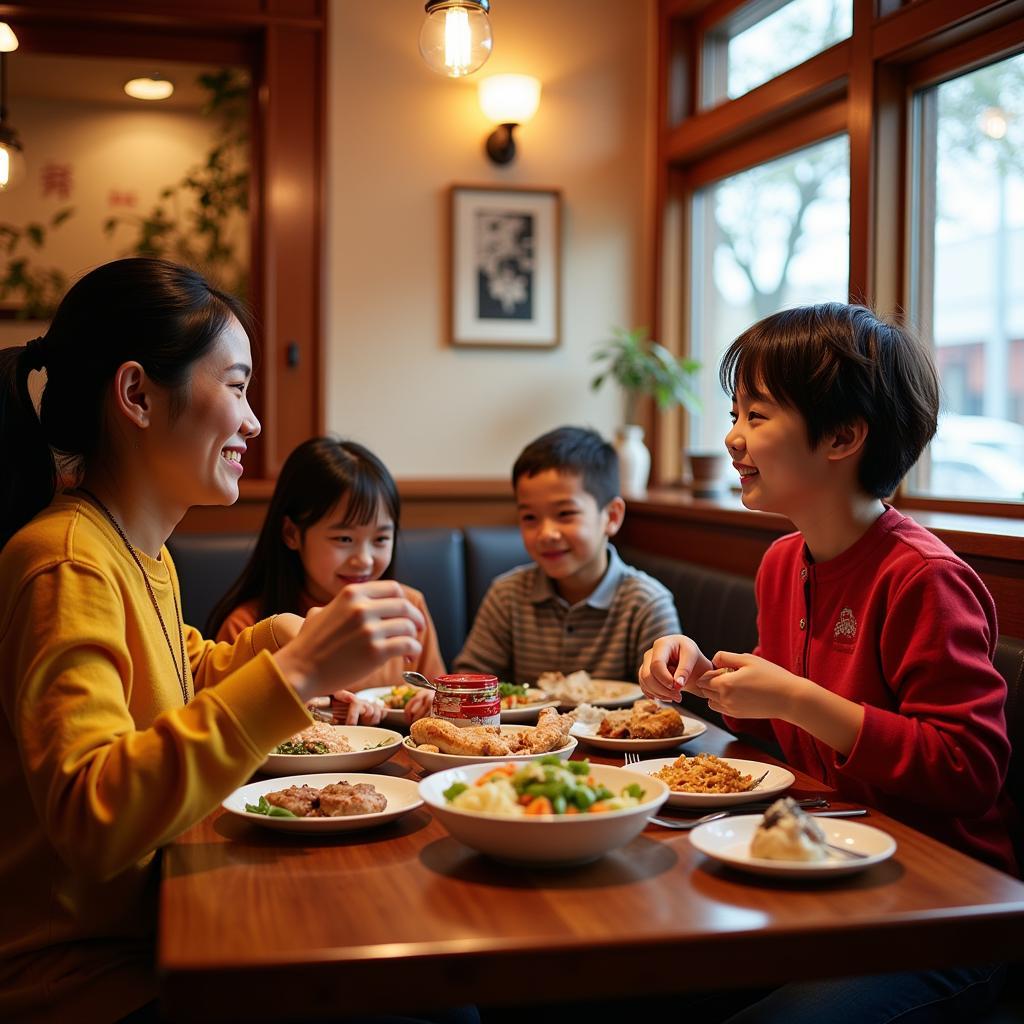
(504, 267)
(504, 261)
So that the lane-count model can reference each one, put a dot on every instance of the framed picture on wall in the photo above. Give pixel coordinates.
(505, 253)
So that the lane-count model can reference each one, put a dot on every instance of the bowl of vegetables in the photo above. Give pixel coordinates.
(545, 812)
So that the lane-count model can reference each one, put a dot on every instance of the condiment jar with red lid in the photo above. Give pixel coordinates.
(467, 699)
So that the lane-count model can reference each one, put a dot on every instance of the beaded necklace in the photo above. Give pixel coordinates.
(180, 672)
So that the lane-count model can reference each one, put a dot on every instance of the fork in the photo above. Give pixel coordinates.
(685, 826)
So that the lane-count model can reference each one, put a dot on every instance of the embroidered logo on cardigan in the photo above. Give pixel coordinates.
(846, 627)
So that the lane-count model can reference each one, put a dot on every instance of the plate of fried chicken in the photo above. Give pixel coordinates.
(436, 743)
(647, 726)
(326, 802)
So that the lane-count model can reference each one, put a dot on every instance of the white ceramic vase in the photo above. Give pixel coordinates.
(634, 459)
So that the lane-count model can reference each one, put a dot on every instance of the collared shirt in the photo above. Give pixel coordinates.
(524, 628)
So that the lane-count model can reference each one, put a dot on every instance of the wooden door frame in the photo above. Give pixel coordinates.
(284, 46)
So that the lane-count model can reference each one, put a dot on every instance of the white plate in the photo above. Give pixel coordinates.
(545, 840)
(392, 716)
(777, 780)
(358, 759)
(526, 712)
(692, 727)
(439, 762)
(402, 795)
(728, 841)
(628, 697)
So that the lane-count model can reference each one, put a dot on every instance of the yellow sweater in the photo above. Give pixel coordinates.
(100, 762)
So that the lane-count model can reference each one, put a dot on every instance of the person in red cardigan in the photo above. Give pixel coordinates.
(873, 670)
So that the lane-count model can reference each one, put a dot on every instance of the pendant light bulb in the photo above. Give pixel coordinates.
(455, 39)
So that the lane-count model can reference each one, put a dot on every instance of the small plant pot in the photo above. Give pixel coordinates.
(708, 473)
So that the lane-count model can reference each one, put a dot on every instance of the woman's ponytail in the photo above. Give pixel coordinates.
(28, 471)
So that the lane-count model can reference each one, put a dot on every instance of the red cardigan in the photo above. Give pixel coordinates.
(899, 624)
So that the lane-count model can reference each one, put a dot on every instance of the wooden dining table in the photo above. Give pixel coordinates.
(260, 925)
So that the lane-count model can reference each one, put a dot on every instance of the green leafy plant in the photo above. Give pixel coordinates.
(195, 220)
(640, 366)
(36, 290)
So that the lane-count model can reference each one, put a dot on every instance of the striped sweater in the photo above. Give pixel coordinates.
(524, 628)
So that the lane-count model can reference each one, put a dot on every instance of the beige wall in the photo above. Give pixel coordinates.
(398, 137)
(109, 150)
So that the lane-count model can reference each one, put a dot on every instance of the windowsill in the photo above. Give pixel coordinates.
(983, 536)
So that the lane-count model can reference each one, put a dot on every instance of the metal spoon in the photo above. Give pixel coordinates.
(418, 679)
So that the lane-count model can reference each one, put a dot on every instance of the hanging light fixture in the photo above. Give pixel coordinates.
(12, 157)
(455, 40)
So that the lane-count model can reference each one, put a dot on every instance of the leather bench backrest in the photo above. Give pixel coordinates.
(432, 561)
(490, 551)
(207, 564)
(1009, 660)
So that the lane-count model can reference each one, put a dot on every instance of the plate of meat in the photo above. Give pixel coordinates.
(646, 726)
(327, 802)
(436, 744)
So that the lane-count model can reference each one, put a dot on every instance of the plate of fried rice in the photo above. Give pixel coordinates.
(332, 748)
(705, 780)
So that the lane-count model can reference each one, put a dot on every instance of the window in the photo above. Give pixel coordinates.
(751, 48)
(968, 292)
(773, 236)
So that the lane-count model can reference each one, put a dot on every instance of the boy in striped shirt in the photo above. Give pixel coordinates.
(579, 606)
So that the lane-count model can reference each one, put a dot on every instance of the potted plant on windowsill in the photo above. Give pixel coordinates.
(640, 366)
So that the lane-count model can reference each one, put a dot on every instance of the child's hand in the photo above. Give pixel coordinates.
(744, 686)
(671, 666)
(358, 711)
(419, 706)
(364, 626)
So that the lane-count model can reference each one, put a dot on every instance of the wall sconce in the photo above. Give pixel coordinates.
(12, 157)
(155, 87)
(455, 40)
(508, 101)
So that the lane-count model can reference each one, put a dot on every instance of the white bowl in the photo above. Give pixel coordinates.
(548, 839)
(435, 762)
(370, 747)
(402, 795)
(728, 841)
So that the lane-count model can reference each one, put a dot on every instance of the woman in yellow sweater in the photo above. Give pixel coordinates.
(121, 726)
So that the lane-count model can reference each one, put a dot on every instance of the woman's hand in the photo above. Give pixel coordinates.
(419, 706)
(671, 666)
(357, 710)
(364, 626)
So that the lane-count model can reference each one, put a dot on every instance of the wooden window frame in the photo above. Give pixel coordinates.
(863, 85)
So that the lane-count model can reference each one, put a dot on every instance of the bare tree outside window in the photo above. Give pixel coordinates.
(774, 236)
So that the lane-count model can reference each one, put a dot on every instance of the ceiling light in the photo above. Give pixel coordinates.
(455, 40)
(153, 88)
